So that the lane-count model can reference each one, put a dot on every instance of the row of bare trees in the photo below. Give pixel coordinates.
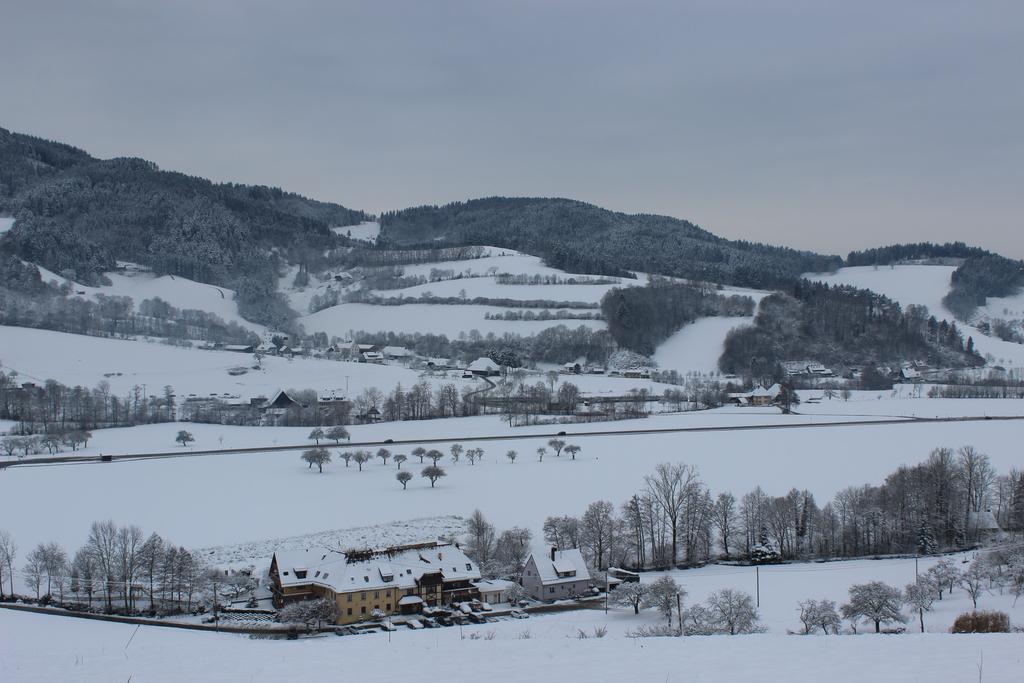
(948, 501)
(119, 569)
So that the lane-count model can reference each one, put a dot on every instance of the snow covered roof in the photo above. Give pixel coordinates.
(491, 585)
(400, 566)
(410, 600)
(482, 364)
(982, 521)
(566, 561)
(397, 351)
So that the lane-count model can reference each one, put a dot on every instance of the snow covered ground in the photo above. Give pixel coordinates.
(697, 346)
(6, 223)
(73, 359)
(367, 231)
(447, 319)
(926, 286)
(229, 499)
(258, 553)
(50, 648)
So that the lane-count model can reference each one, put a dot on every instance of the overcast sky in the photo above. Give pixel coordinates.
(823, 125)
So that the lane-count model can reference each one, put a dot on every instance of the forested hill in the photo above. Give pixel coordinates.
(582, 238)
(78, 213)
(980, 274)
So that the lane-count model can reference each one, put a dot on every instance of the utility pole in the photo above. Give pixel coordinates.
(757, 579)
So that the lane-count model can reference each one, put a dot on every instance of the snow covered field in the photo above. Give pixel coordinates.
(697, 346)
(926, 286)
(73, 359)
(447, 319)
(178, 291)
(367, 231)
(238, 498)
(48, 648)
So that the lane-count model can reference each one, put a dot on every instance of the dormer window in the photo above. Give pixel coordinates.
(469, 567)
(300, 574)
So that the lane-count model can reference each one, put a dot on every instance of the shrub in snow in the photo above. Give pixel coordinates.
(982, 622)
(311, 613)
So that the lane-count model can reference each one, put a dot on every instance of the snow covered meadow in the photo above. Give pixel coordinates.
(47, 648)
(227, 499)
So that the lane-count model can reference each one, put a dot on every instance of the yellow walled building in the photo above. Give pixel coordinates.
(370, 584)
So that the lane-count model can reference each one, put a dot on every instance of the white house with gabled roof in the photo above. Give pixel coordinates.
(558, 575)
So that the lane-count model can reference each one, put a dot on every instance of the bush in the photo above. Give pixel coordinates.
(982, 622)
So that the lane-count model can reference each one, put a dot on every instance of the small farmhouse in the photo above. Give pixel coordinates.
(558, 575)
(484, 367)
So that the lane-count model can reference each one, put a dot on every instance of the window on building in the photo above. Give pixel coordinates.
(349, 597)
(469, 567)
(551, 590)
(362, 596)
(376, 594)
(350, 611)
(388, 606)
(362, 610)
(300, 575)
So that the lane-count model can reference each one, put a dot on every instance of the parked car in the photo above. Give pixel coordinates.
(519, 614)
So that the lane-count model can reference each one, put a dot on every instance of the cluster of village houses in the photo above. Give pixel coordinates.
(410, 579)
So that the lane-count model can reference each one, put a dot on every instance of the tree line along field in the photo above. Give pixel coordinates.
(824, 461)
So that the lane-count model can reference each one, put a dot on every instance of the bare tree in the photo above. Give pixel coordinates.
(480, 537)
(557, 445)
(511, 455)
(184, 438)
(384, 454)
(670, 487)
(419, 452)
(973, 580)
(820, 614)
(733, 612)
(8, 553)
(876, 602)
(572, 449)
(346, 456)
(399, 458)
(336, 434)
(920, 595)
(404, 477)
(316, 435)
(629, 594)
(318, 457)
(433, 473)
(361, 458)
(434, 455)
(456, 450)
(541, 452)
(724, 517)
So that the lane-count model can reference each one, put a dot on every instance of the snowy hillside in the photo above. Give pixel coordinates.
(178, 291)
(926, 286)
(38, 355)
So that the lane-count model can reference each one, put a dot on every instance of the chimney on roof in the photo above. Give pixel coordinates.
(553, 550)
